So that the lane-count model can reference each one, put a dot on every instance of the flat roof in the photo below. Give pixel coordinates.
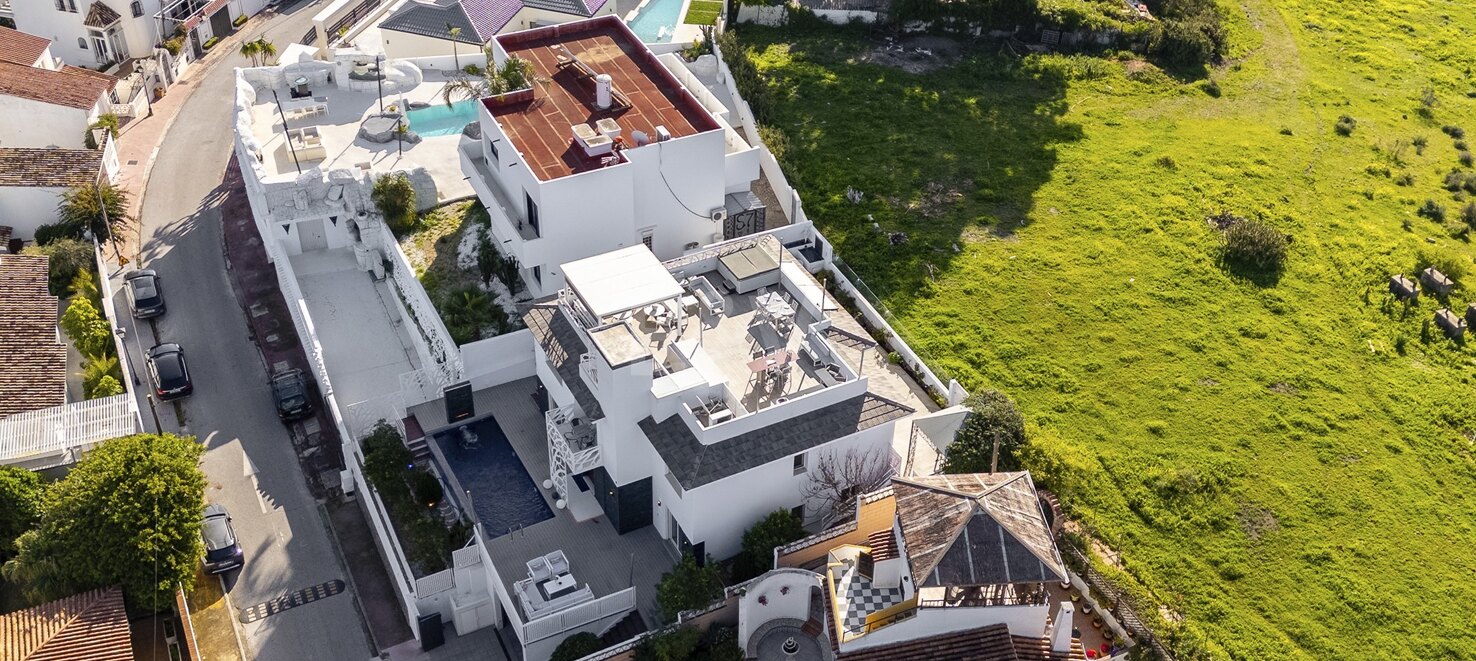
(622, 280)
(540, 129)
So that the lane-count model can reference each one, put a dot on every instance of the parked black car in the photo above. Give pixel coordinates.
(222, 550)
(293, 394)
(170, 373)
(145, 295)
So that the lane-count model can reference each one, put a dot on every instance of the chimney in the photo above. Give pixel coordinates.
(602, 91)
(1061, 631)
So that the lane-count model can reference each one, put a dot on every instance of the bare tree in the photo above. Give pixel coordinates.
(841, 476)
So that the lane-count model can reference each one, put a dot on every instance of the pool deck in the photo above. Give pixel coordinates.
(598, 556)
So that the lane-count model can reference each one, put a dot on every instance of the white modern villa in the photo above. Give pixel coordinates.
(682, 373)
(610, 150)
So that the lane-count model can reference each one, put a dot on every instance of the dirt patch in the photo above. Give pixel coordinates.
(1282, 388)
(1256, 521)
(935, 198)
(915, 55)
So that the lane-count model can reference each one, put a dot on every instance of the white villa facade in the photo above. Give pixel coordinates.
(629, 155)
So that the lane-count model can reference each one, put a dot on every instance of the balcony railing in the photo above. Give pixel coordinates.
(500, 205)
(577, 616)
(573, 447)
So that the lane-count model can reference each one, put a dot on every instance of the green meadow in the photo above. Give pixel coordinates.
(1282, 461)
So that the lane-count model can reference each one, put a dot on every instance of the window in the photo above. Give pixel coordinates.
(532, 211)
(492, 151)
(61, 5)
(798, 511)
(137, 8)
(72, 6)
(799, 463)
(538, 274)
(82, 43)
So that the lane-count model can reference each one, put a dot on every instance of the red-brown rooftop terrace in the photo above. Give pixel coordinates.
(540, 128)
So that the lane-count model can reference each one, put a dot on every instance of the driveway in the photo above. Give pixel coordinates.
(250, 462)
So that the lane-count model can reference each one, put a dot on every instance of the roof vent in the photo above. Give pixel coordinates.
(662, 135)
(603, 83)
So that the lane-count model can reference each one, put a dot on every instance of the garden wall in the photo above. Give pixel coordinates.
(498, 360)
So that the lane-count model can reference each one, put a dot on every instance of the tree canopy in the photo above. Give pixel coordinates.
(992, 416)
(129, 514)
(577, 646)
(757, 556)
(81, 210)
(20, 505)
(688, 587)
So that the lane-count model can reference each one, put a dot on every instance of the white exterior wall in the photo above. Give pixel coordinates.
(25, 208)
(498, 360)
(399, 45)
(529, 17)
(40, 17)
(1028, 621)
(719, 512)
(27, 123)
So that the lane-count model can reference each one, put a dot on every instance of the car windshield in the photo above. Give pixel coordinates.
(293, 401)
(218, 534)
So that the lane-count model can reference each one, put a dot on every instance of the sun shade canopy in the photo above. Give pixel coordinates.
(622, 280)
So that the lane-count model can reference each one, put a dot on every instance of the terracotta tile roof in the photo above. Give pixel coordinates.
(35, 373)
(990, 643)
(541, 128)
(100, 16)
(92, 626)
(5, 232)
(975, 529)
(48, 168)
(72, 87)
(21, 47)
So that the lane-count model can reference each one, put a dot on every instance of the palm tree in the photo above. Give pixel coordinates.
(514, 74)
(99, 209)
(455, 36)
(251, 50)
(266, 50)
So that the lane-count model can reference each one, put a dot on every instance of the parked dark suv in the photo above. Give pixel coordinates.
(145, 295)
(171, 375)
(222, 550)
(293, 394)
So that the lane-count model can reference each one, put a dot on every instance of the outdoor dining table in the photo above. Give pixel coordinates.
(774, 306)
(771, 361)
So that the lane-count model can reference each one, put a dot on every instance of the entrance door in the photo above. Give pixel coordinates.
(312, 235)
(220, 23)
(195, 44)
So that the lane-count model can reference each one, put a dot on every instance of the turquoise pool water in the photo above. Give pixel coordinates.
(441, 119)
(656, 22)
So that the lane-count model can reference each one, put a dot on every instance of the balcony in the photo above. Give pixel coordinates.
(573, 446)
(507, 217)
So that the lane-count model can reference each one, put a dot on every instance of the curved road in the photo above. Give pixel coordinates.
(250, 461)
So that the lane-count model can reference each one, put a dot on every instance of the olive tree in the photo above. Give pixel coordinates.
(992, 419)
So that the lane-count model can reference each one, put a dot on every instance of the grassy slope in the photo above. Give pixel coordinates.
(1265, 460)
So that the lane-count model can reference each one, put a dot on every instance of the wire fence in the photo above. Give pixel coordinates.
(1122, 604)
(912, 342)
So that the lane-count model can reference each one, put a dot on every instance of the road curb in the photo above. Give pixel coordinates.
(348, 577)
(235, 624)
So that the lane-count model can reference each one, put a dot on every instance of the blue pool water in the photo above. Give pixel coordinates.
(503, 494)
(656, 15)
(441, 119)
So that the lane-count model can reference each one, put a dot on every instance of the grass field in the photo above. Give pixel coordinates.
(1285, 463)
(703, 12)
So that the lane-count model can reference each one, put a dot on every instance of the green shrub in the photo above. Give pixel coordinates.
(210, 43)
(1454, 132)
(427, 489)
(720, 643)
(107, 386)
(1405, 179)
(757, 556)
(20, 505)
(90, 331)
(1432, 210)
(1420, 142)
(1255, 245)
(1468, 215)
(577, 646)
(66, 257)
(472, 70)
(107, 121)
(1212, 88)
(469, 313)
(992, 417)
(1345, 125)
(174, 46)
(677, 645)
(1466, 159)
(1454, 265)
(394, 196)
(688, 587)
(240, 20)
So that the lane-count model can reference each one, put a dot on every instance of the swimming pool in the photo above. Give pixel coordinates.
(441, 119)
(656, 22)
(503, 494)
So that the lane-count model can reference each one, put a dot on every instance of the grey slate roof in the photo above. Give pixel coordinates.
(552, 331)
(575, 7)
(434, 20)
(975, 529)
(694, 464)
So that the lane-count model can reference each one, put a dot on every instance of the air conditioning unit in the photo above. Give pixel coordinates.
(718, 214)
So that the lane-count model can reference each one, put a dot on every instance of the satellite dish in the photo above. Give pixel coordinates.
(640, 138)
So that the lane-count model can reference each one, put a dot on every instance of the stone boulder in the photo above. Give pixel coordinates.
(380, 128)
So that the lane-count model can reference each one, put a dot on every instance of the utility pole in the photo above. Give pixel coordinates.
(285, 134)
(994, 457)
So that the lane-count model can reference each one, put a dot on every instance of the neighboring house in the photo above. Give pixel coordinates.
(92, 34)
(609, 149)
(35, 360)
(421, 28)
(938, 567)
(33, 180)
(44, 103)
(91, 625)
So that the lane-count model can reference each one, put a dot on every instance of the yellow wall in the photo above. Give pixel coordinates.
(873, 516)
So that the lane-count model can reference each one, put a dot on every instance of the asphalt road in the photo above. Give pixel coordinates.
(249, 461)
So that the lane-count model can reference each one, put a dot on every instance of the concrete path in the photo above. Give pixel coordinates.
(250, 460)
